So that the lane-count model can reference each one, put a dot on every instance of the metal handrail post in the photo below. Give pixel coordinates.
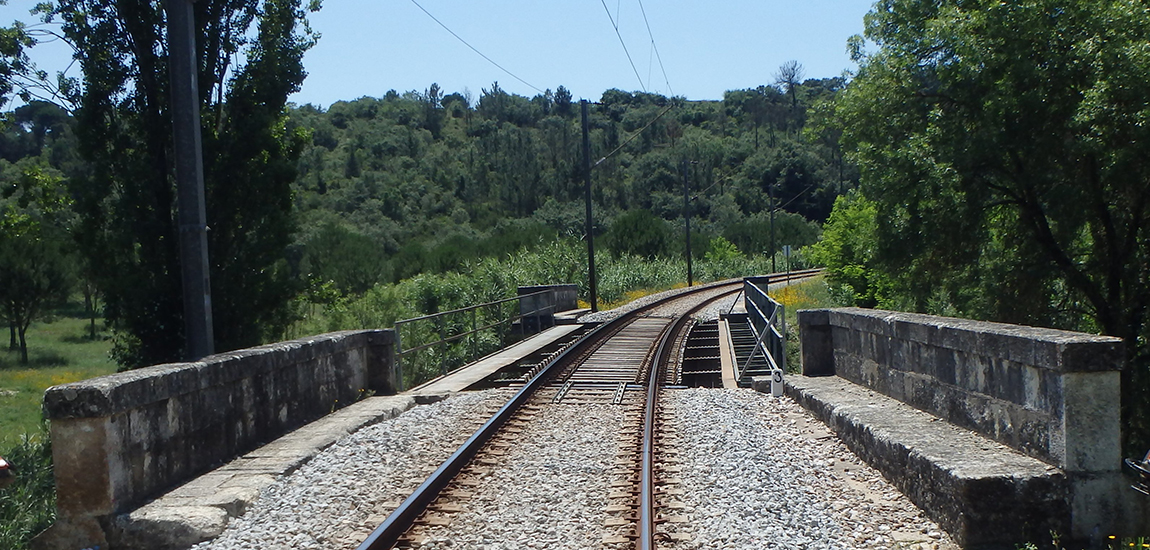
(398, 359)
(443, 352)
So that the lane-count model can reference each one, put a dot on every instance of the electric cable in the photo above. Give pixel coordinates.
(489, 60)
(635, 135)
(656, 48)
(617, 33)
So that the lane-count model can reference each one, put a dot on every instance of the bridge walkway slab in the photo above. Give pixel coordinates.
(200, 509)
(980, 491)
(466, 376)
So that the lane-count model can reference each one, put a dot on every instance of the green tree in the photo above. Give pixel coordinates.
(35, 266)
(127, 200)
(14, 63)
(989, 128)
(847, 251)
(639, 232)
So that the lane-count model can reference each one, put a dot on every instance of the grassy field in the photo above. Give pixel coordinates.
(810, 294)
(58, 352)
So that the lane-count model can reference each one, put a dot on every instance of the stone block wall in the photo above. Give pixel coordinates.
(122, 439)
(561, 298)
(1047, 393)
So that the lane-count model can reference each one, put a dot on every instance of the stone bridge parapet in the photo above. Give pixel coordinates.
(1050, 394)
(122, 439)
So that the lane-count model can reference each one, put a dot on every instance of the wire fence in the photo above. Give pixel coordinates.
(434, 345)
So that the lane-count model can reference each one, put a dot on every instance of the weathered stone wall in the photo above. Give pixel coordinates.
(561, 298)
(1047, 393)
(122, 439)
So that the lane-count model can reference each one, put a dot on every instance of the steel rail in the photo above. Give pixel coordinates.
(400, 520)
(647, 469)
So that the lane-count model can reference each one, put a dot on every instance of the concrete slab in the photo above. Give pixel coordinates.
(985, 494)
(727, 356)
(200, 509)
(570, 316)
(464, 377)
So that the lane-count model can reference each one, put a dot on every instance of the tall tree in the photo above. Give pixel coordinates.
(988, 130)
(127, 202)
(35, 272)
(789, 77)
(14, 64)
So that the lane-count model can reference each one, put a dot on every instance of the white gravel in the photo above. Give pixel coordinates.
(549, 490)
(336, 499)
(758, 472)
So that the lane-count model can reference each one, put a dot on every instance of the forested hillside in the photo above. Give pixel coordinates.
(425, 181)
(386, 189)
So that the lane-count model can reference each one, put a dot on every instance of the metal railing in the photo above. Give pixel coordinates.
(768, 325)
(461, 336)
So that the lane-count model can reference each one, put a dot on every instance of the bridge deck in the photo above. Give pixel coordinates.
(468, 375)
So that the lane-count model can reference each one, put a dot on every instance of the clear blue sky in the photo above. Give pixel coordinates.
(371, 46)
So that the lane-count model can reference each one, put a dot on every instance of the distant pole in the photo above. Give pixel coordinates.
(587, 192)
(771, 194)
(687, 219)
(182, 69)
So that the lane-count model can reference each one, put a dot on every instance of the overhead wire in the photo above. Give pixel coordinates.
(620, 35)
(635, 135)
(656, 48)
(489, 60)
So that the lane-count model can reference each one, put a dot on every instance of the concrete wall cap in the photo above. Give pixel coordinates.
(1049, 348)
(114, 393)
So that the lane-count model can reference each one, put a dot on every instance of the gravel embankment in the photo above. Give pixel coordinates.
(549, 491)
(337, 498)
(758, 472)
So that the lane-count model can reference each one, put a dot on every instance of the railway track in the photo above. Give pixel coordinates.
(621, 362)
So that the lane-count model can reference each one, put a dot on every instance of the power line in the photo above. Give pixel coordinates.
(616, 26)
(635, 135)
(489, 60)
(656, 48)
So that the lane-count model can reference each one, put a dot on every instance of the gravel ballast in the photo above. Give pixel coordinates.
(758, 472)
(336, 499)
(549, 490)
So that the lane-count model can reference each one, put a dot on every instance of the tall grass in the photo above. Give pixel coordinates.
(619, 278)
(28, 506)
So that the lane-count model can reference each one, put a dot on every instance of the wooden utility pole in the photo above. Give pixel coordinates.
(771, 195)
(182, 70)
(587, 193)
(687, 221)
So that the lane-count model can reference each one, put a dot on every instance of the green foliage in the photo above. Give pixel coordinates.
(753, 234)
(35, 264)
(847, 250)
(28, 506)
(14, 63)
(639, 233)
(432, 181)
(1005, 147)
(126, 199)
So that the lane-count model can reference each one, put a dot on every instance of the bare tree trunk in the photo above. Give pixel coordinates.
(12, 330)
(23, 347)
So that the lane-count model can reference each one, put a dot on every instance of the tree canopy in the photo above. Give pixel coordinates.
(1005, 148)
(250, 59)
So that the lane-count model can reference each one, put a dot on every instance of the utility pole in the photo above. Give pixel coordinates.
(587, 192)
(771, 194)
(687, 220)
(182, 70)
